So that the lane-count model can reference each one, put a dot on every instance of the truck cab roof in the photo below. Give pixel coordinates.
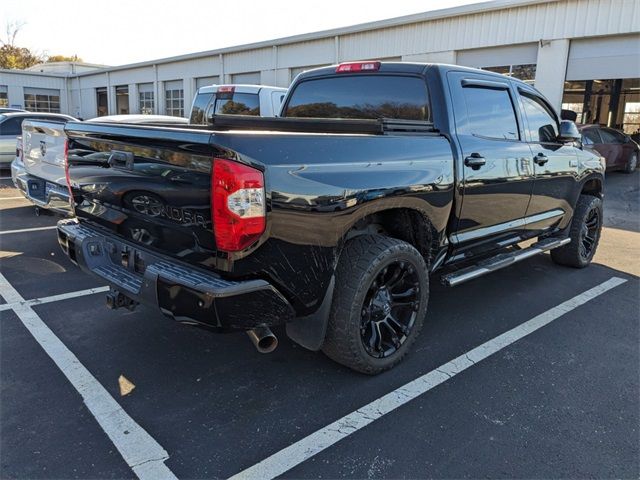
(415, 68)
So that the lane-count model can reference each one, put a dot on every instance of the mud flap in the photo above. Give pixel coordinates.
(309, 331)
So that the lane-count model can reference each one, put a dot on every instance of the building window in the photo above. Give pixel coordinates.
(174, 99)
(630, 99)
(526, 73)
(4, 99)
(146, 101)
(613, 103)
(102, 102)
(42, 100)
(122, 100)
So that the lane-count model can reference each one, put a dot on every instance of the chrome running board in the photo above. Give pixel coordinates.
(501, 261)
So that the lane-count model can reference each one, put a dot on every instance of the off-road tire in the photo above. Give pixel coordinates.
(362, 260)
(571, 254)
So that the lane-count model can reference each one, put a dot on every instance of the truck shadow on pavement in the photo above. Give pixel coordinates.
(195, 389)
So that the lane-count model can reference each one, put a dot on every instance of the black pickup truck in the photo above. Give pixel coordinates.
(332, 219)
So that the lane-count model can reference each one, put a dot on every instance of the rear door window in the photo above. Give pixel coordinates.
(360, 96)
(608, 137)
(618, 136)
(490, 113)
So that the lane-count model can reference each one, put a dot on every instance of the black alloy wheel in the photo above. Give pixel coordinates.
(584, 231)
(390, 309)
(590, 233)
(379, 303)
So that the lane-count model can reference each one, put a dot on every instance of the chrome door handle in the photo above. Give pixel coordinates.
(475, 161)
(541, 159)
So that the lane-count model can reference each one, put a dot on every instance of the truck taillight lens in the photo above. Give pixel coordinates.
(355, 67)
(20, 149)
(66, 171)
(237, 204)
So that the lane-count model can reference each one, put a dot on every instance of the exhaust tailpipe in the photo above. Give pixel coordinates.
(263, 339)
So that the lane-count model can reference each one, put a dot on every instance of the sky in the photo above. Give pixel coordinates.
(117, 32)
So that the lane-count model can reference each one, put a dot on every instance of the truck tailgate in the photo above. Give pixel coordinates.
(150, 186)
(43, 144)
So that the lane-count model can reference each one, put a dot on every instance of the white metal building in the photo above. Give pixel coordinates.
(582, 54)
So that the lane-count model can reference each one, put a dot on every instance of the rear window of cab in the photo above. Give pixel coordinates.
(360, 96)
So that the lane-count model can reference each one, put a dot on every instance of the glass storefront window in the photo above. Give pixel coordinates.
(613, 103)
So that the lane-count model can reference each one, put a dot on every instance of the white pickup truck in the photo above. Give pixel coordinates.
(256, 100)
(38, 171)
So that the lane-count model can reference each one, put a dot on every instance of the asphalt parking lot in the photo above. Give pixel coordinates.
(549, 388)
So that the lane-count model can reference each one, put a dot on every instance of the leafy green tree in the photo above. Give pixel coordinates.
(12, 56)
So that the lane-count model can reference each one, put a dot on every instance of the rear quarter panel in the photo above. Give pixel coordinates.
(320, 185)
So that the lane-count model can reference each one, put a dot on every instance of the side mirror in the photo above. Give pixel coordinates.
(568, 132)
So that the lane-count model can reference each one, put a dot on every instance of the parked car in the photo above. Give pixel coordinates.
(11, 128)
(332, 226)
(618, 149)
(9, 110)
(255, 100)
(39, 171)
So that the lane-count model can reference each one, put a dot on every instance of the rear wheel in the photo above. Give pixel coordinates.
(585, 234)
(382, 289)
(632, 163)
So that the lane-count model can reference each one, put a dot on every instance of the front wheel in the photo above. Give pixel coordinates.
(586, 226)
(379, 305)
(632, 163)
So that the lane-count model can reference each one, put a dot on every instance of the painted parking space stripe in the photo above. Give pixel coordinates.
(54, 298)
(24, 230)
(12, 198)
(304, 449)
(140, 451)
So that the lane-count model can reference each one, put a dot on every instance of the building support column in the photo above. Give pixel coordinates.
(551, 69)
(111, 97)
(134, 105)
(188, 93)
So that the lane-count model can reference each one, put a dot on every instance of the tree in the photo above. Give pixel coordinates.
(12, 56)
(63, 58)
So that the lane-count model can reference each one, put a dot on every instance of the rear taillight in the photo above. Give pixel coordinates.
(66, 172)
(226, 89)
(20, 149)
(237, 204)
(355, 67)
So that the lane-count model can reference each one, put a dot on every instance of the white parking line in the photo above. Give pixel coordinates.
(12, 198)
(23, 230)
(302, 450)
(142, 453)
(54, 298)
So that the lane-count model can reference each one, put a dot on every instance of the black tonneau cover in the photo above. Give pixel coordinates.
(318, 125)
